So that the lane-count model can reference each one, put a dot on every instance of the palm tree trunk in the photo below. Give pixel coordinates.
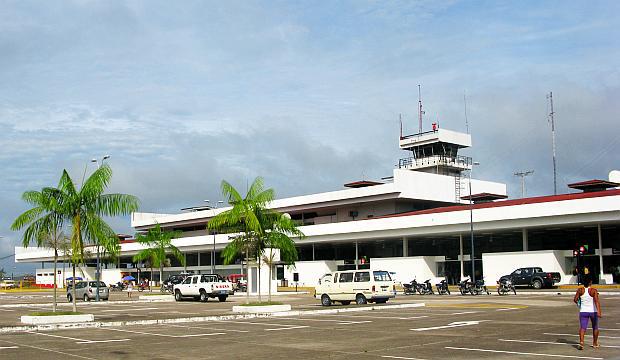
(161, 276)
(151, 279)
(73, 289)
(270, 267)
(259, 297)
(247, 276)
(55, 279)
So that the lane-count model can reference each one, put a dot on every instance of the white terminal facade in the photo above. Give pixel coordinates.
(416, 224)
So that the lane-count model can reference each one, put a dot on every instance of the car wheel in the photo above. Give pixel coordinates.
(325, 300)
(537, 284)
(86, 298)
(222, 298)
(178, 296)
(360, 299)
(203, 296)
(346, 302)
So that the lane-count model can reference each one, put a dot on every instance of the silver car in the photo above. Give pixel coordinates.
(87, 290)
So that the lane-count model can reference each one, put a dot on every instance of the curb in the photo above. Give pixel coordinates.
(101, 324)
(94, 303)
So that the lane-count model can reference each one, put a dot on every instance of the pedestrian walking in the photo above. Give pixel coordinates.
(129, 289)
(589, 305)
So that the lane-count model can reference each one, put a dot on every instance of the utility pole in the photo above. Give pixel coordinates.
(420, 111)
(551, 113)
(522, 175)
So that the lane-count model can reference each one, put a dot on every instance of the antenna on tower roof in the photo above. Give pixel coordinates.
(465, 104)
(551, 120)
(420, 111)
(400, 118)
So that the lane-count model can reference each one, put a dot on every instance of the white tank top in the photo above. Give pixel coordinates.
(587, 302)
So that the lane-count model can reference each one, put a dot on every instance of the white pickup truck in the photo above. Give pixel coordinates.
(203, 287)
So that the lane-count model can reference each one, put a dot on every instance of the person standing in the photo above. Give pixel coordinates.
(589, 305)
(129, 289)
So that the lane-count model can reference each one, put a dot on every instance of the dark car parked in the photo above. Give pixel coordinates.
(533, 276)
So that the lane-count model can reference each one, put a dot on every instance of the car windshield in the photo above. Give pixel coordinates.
(381, 276)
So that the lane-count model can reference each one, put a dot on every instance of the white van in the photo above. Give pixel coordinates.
(361, 286)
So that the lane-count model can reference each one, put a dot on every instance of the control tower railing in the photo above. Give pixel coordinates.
(456, 162)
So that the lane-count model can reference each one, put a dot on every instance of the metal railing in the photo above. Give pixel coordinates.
(454, 161)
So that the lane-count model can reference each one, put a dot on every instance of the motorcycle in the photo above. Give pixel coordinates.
(504, 286)
(410, 288)
(143, 285)
(119, 286)
(426, 288)
(479, 288)
(442, 288)
(465, 286)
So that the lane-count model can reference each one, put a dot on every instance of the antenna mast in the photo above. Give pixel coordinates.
(523, 174)
(400, 118)
(465, 102)
(551, 113)
(420, 112)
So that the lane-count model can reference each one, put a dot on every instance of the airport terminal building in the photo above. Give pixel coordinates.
(417, 223)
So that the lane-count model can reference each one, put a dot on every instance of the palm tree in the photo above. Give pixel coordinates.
(43, 223)
(158, 244)
(244, 217)
(84, 208)
(280, 228)
(57, 242)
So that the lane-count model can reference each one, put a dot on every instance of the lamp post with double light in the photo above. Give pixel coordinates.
(98, 267)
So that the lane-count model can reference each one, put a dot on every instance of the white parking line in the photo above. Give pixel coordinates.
(254, 323)
(57, 336)
(163, 335)
(450, 325)
(9, 347)
(400, 357)
(551, 342)
(288, 328)
(209, 328)
(101, 341)
(341, 322)
(379, 317)
(524, 353)
(133, 309)
(601, 336)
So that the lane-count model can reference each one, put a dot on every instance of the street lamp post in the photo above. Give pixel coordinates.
(471, 226)
(98, 269)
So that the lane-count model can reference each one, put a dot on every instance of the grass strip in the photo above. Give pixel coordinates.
(263, 303)
(51, 313)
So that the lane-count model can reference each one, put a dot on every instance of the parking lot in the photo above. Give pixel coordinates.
(523, 326)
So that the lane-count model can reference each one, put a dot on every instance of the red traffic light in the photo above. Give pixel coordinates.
(582, 249)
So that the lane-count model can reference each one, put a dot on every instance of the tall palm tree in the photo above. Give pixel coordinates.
(279, 229)
(244, 217)
(84, 208)
(158, 244)
(43, 224)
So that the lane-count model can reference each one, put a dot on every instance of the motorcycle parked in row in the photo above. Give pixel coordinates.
(465, 286)
(504, 286)
(479, 288)
(442, 288)
(119, 286)
(426, 288)
(410, 288)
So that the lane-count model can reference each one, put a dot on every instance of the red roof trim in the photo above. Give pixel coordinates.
(515, 202)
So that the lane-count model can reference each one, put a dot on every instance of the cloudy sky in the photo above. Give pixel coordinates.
(305, 94)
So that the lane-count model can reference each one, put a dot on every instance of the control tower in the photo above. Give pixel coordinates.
(436, 151)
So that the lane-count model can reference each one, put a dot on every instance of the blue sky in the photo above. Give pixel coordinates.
(305, 94)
